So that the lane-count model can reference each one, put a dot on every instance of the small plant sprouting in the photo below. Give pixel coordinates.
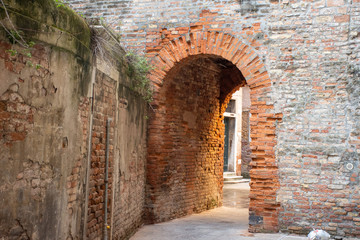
(106, 46)
(31, 44)
(139, 69)
(64, 3)
(59, 3)
(29, 64)
(12, 52)
(25, 52)
(14, 36)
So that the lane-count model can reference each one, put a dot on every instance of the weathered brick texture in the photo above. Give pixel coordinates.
(104, 108)
(184, 165)
(114, 100)
(310, 49)
(46, 111)
(172, 54)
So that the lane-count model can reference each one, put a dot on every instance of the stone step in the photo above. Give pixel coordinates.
(237, 181)
(231, 178)
(226, 174)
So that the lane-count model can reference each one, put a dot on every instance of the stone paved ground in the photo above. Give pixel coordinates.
(229, 222)
(223, 223)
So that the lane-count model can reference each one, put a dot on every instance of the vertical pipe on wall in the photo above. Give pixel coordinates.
(114, 163)
(106, 179)
(88, 165)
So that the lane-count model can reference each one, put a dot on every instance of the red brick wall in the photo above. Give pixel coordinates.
(104, 108)
(170, 53)
(127, 148)
(205, 31)
(185, 143)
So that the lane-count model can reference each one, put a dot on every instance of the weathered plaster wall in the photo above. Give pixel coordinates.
(42, 146)
(45, 115)
(311, 51)
(130, 150)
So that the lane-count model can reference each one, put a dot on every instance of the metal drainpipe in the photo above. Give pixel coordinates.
(106, 178)
(89, 155)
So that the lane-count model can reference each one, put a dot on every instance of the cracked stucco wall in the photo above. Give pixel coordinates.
(42, 151)
(45, 108)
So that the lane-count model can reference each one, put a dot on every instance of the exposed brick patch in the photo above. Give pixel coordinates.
(16, 117)
(73, 187)
(16, 112)
(105, 98)
(36, 177)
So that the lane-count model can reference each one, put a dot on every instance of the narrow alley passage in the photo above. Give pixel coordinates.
(229, 222)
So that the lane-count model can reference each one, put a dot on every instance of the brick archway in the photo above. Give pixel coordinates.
(178, 52)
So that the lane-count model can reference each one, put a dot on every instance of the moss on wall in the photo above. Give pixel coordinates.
(42, 20)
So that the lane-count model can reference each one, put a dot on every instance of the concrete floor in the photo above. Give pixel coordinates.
(229, 222)
(236, 196)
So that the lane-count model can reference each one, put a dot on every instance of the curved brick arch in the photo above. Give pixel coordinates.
(221, 44)
(264, 207)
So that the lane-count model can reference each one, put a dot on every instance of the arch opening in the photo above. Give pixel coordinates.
(186, 137)
(214, 49)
